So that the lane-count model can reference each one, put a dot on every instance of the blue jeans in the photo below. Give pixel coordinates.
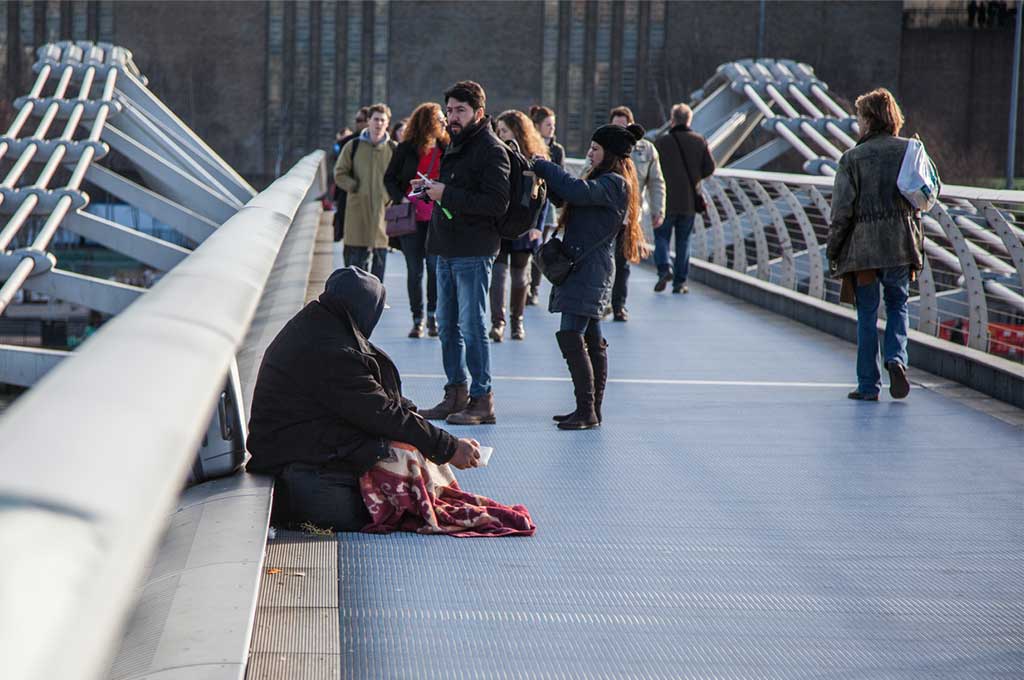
(462, 320)
(896, 287)
(682, 226)
(414, 247)
(360, 256)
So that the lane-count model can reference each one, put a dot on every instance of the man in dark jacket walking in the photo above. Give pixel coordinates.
(326, 404)
(685, 161)
(470, 196)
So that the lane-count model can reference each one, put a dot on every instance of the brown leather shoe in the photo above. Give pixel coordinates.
(456, 398)
(480, 411)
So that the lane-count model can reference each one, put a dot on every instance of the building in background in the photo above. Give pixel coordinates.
(264, 82)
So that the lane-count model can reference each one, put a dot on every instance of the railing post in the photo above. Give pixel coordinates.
(973, 283)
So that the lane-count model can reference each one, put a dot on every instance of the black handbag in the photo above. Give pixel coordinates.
(555, 262)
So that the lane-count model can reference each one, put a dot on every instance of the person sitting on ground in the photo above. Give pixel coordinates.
(328, 407)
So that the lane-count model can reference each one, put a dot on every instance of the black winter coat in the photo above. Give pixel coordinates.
(679, 194)
(557, 152)
(474, 170)
(326, 396)
(402, 170)
(597, 209)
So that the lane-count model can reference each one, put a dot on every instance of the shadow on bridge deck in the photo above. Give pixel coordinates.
(736, 516)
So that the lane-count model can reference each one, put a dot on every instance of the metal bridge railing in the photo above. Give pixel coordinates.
(774, 226)
(84, 502)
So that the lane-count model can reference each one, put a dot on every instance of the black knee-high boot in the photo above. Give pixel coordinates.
(598, 352)
(574, 349)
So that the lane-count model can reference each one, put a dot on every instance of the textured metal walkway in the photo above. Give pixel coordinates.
(735, 517)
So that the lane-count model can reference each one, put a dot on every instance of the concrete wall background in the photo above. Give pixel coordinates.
(262, 103)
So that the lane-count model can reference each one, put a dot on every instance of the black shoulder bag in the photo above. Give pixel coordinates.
(699, 204)
(555, 262)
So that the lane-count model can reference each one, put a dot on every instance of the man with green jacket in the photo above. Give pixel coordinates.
(360, 173)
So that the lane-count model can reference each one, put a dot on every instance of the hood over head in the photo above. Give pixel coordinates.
(353, 291)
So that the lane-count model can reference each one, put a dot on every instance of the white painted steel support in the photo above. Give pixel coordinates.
(135, 244)
(739, 247)
(788, 278)
(25, 366)
(178, 217)
(760, 241)
(816, 282)
(169, 179)
(978, 305)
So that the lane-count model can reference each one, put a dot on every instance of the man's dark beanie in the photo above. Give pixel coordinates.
(618, 140)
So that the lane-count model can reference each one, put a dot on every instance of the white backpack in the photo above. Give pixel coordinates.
(918, 181)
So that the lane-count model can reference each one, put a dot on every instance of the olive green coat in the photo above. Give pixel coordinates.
(362, 179)
(873, 226)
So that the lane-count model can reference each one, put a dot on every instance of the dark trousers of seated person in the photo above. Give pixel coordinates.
(330, 499)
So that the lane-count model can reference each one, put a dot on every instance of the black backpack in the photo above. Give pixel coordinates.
(527, 196)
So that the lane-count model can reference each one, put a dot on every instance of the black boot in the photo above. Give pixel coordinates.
(598, 352)
(574, 349)
(517, 306)
(497, 293)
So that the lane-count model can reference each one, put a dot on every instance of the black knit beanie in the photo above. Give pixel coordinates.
(618, 140)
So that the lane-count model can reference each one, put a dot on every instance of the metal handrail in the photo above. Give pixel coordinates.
(84, 499)
(973, 278)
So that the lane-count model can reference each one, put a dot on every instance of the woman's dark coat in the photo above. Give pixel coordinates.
(597, 209)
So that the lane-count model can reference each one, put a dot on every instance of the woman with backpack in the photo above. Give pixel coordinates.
(515, 126)
(420, 150)
(595, 208)
(875, 237)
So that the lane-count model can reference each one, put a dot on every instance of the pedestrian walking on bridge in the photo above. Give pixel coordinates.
(360, 173)
(876, 237)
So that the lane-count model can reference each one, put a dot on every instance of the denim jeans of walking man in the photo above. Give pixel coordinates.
(682, 227)
(895, 284)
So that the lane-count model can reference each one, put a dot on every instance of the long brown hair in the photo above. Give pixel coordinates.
(425, 127)
(633, 245)
(529, 140)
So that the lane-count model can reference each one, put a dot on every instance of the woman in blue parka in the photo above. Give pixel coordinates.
(596, 207)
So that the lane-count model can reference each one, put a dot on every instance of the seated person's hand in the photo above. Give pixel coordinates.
(467, 454)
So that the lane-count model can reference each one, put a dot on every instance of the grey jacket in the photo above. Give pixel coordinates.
(648, 175)
(873, 226)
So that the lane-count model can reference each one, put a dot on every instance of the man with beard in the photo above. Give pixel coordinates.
(470, 196)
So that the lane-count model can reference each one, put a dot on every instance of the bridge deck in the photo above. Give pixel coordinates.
(735, 517)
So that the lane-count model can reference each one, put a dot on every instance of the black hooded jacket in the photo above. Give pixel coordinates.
(326, 396)
(474, 170)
